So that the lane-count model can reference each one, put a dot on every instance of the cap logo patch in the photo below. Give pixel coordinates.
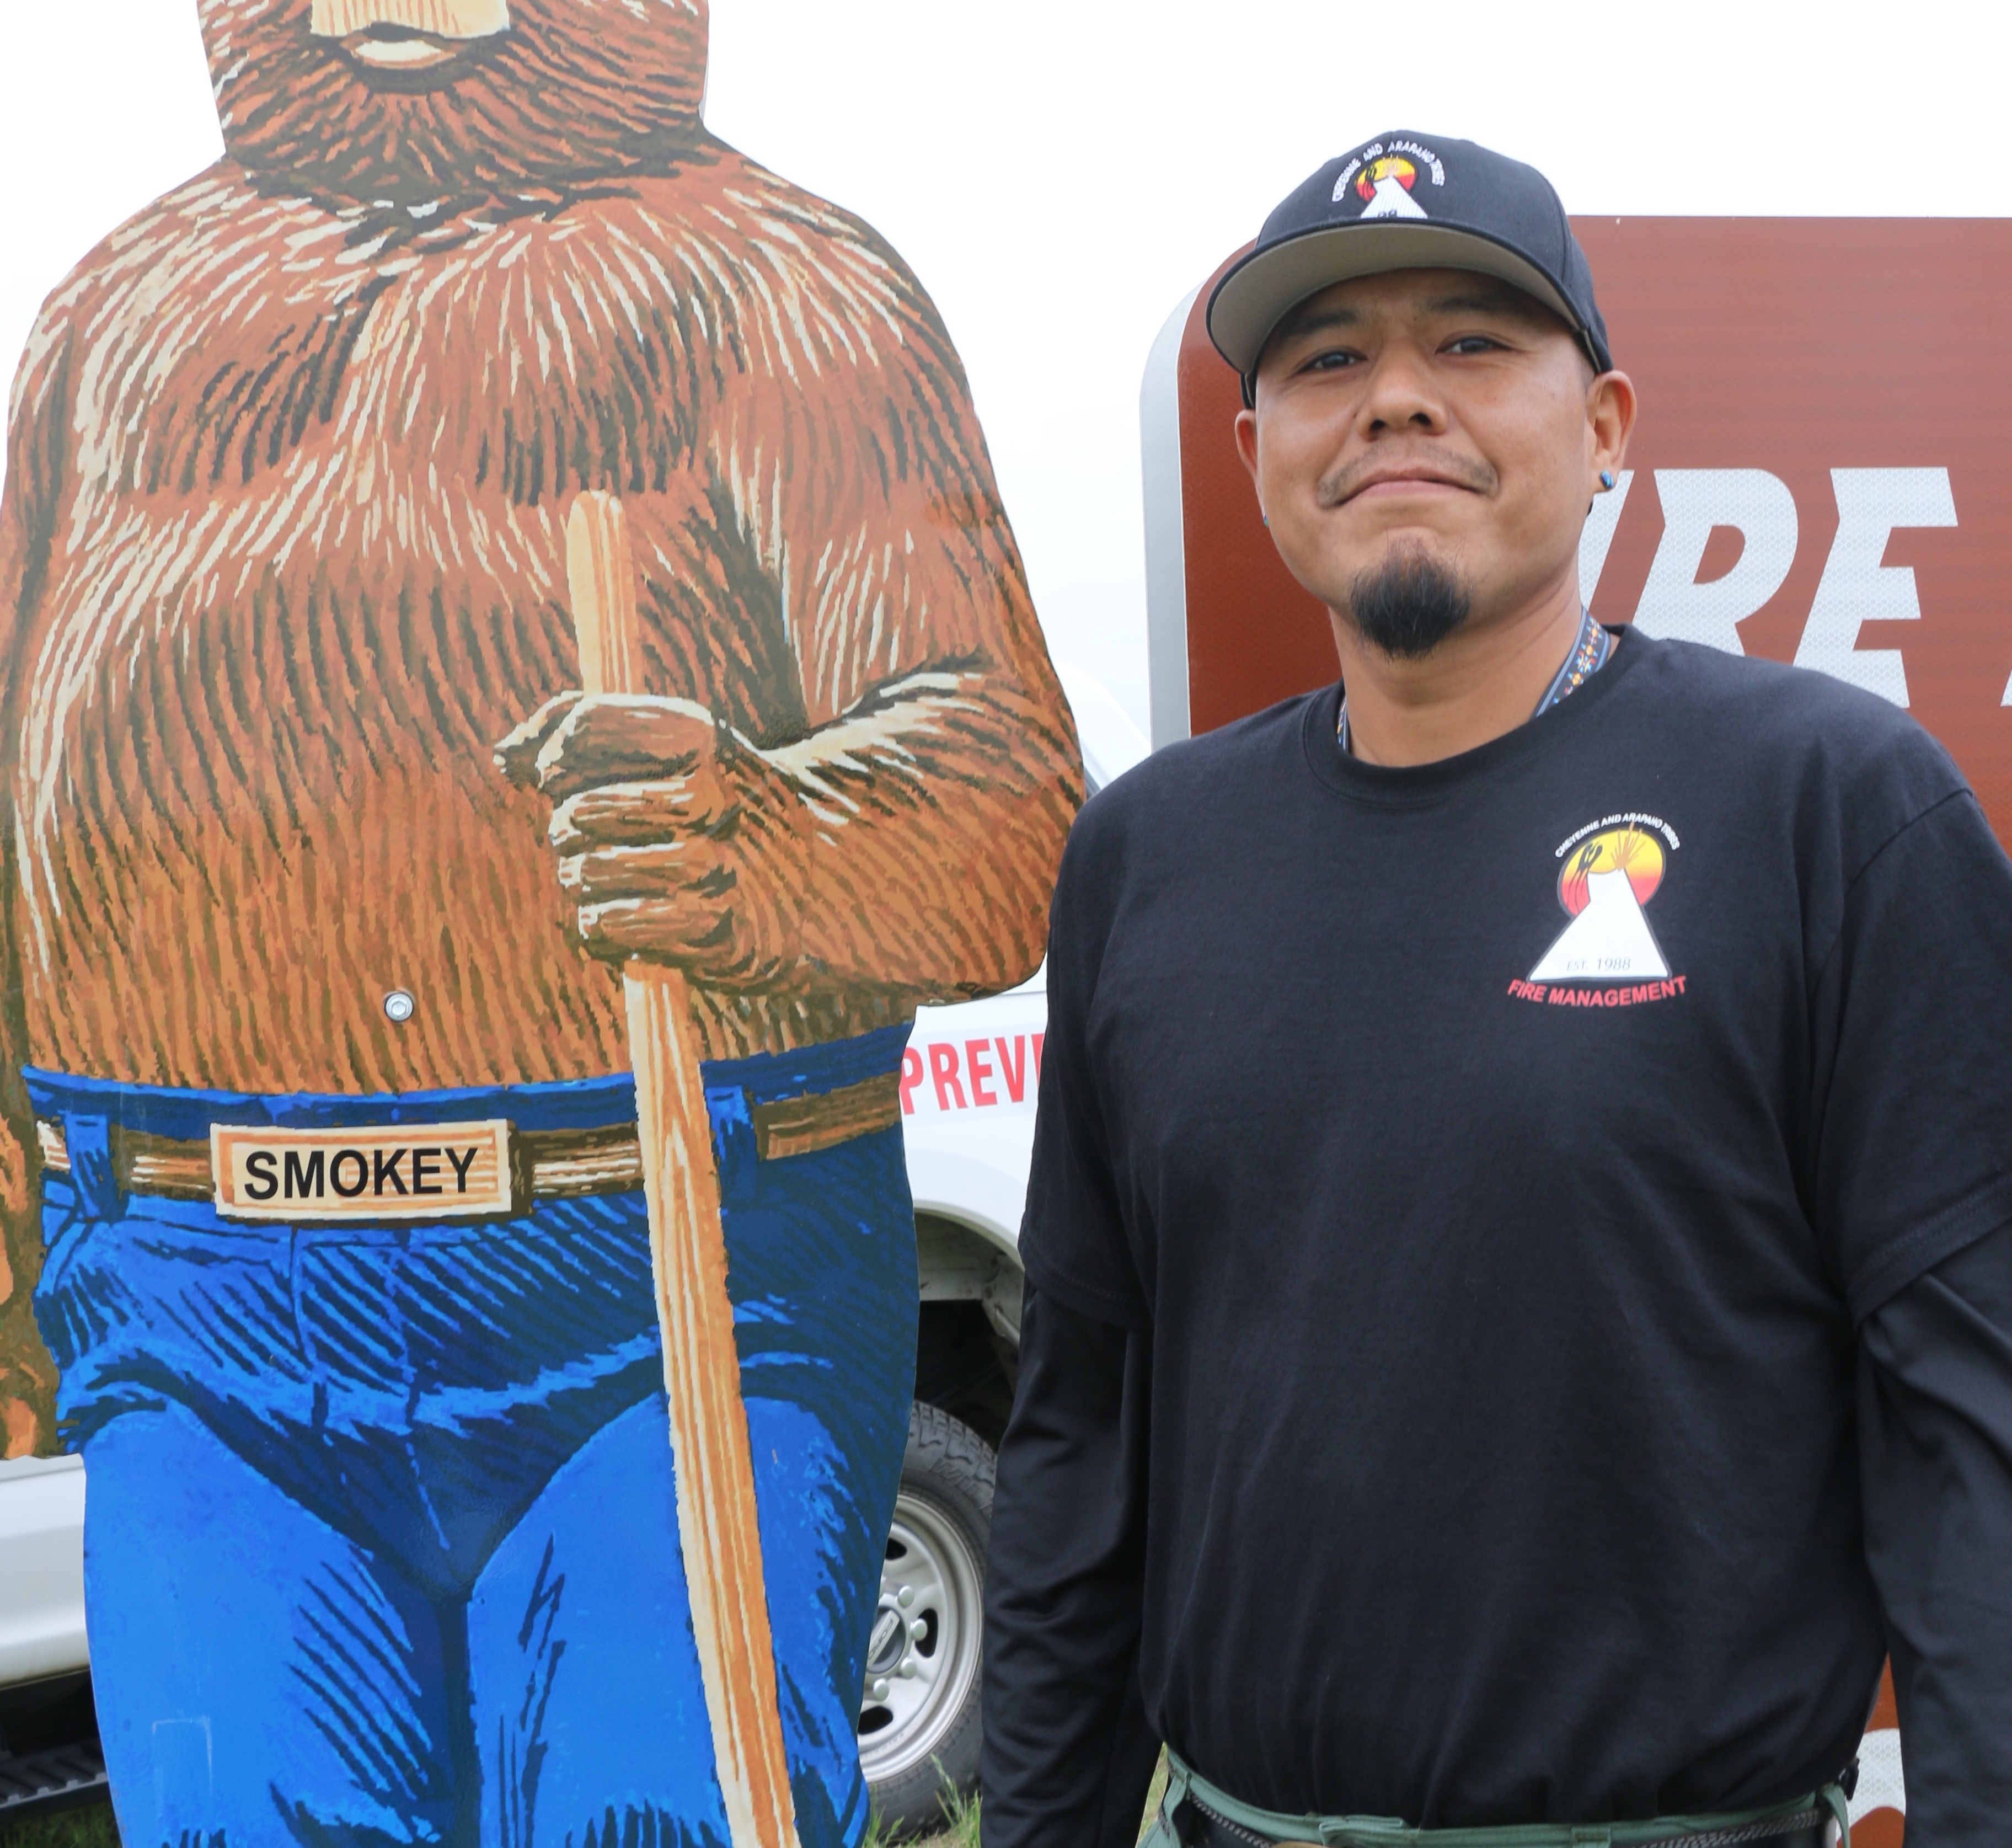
(1385, 178)
(1386, 185)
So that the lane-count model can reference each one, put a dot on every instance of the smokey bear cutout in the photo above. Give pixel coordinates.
(519, 683)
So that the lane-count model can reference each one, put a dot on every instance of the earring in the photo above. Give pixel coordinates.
(1607, 480)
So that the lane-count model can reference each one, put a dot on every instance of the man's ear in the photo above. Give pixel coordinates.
(1609, 415)
(1246, 442)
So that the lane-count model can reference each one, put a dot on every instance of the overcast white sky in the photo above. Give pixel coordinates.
(1060, 173)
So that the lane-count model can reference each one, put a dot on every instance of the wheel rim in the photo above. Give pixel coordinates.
(923, 1655)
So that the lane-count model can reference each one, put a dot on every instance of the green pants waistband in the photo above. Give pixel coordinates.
(1384, 1831)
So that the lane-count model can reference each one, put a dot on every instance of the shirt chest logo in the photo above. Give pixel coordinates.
(1607, 954)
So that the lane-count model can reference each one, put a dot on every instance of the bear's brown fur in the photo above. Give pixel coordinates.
(281, 558)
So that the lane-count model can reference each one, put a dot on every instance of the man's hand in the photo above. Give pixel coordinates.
(677, 840)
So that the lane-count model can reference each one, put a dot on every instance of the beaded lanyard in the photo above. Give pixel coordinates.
(1589, 655)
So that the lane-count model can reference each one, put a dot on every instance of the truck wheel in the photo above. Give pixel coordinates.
(918, 1718)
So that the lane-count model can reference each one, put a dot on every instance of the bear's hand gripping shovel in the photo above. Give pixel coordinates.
(717, 1529)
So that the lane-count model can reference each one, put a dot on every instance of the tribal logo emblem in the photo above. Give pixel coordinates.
(1385, 178)
(1608, 873)
(1386, 185)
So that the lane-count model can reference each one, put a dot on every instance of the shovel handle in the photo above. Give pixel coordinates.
(719, 1530)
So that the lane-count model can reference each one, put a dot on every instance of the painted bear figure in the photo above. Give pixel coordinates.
(291, 713)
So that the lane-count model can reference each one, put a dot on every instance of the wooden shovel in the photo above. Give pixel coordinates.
(717, 1529)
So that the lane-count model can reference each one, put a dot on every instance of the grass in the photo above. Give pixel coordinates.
(89, 1825)
(960, 1828)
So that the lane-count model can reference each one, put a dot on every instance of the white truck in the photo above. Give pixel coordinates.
(968, 1092)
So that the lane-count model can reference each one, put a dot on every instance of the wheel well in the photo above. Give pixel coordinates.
(956, 1263)
(967, 1335)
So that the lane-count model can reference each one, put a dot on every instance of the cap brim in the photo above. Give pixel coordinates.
(1261, 291)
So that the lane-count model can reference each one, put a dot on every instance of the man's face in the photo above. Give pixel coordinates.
(1433, 418)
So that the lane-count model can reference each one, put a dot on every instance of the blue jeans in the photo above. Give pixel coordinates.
(381, 1544)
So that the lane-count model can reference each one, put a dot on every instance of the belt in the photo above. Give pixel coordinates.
(548, 1164)
(1204, 1817)
(1197, 1828)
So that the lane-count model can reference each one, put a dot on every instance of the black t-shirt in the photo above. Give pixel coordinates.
(1497, 1158)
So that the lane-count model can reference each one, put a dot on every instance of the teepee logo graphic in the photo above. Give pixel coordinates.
(1385, 183)
(1605, 881)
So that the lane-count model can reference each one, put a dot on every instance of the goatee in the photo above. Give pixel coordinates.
(1408, 604)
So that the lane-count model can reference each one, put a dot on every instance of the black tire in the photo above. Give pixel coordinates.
(919, 1732)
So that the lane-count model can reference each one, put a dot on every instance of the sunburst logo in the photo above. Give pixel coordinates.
(1626, 850)
(1385, 185)
(1392, 167)
(1609, 874)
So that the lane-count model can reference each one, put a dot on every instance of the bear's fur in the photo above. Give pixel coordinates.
(281, 558)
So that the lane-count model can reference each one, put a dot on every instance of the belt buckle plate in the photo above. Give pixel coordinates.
(373, 1172)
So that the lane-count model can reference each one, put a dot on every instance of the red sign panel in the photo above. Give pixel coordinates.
(1822, 472)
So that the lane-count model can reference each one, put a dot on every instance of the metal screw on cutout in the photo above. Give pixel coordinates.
(398, 1006)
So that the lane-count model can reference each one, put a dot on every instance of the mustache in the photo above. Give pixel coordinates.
(1345, 482)
(439, 18)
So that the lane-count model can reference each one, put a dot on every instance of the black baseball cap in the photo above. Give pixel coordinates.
(1408, 201)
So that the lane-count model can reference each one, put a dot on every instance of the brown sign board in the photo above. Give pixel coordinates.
(1822, 472)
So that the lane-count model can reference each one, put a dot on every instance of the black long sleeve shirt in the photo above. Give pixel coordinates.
(1484, 1366)
(1069, 1751)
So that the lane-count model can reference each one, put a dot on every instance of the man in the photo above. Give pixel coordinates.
(1520, 1307)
